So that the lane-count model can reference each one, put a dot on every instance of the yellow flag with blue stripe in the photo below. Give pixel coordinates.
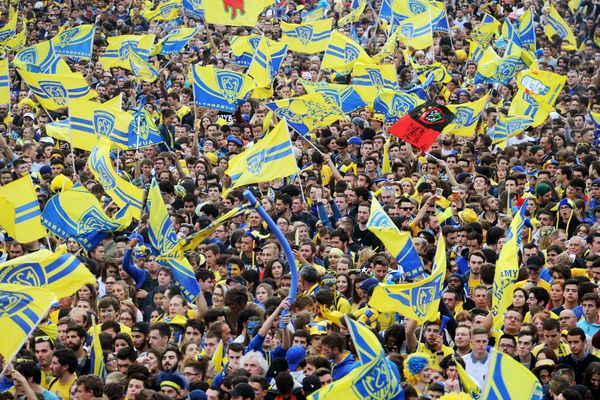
(419, 300)
(399, 244)
(314, 15)
(345, 98)
(21, 215)
(507, 378)
(77, 42)
(54, 91)
(466, 117)
(342, 53)
(507, 268)
(271, 158)
(218, 357)
(122, 192)
(374, 378)
(97, 364)
(165, 11)
(16, 43)
(266, 63)
(243, 48)
(507, 127)
(396, 104)
(416, 31)
(467, 384)
(357, 8)
(10, 28)
(23, 307)
(372, 80)
(486, 31)
(232, 12)
(160, 228)
(527, 28)
(175, 41)
(119, 51)
(41, 58)
(556, 25)
(220, 89)
(309, 38)
(4, 82)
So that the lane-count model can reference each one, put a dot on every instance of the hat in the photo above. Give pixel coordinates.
(460, 178)
(369, 284)
(369, 317)
(317, 328)
(535, 262)
(546, 364)
(355, 140)
(141, 327)
(29, 115)
(237, 279)
(458, 276)
(278, 365)
(45, 170)
(47, 139)
(60, 182)
(311, 384)
(360, 122)
(336, 252)
(468, 215)
(197, 395)
(543, 188)
(294, 355)
(378, 117)
(596, 182)
(413, 365)
(212, 157)
(242, 389)
(234, 139)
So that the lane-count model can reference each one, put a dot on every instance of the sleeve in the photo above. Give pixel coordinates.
(256, 343)
(323, 215)
(137, 274)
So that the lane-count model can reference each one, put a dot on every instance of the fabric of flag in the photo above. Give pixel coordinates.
(556, 25)
(232, 12)
(524, 104)
(10, 28)
(21, 310)
(466, 117)
(314, 15)
(475, 51)
(342, 52)
(54, 91)
(41, 58)
(17, 42)
(385, 12)
(507, 268)
(507, 127)
(402, 10)
(97, 364)
(21, 215)
(90, 118)
(76, 213)
(438, 69)
(143, 131)
(514, 45)
(467, 384)
(395, 105)
(388, 49)
(165, 11)
(175, 41)
(61, 130)
(120, 48)
(507, 378)
(142, 69)
(218, 357)
(356, 10)
(193, 8)
(439, 17)
(265, 65)
(493, 69)
(123, 193)
(486, 31)
(527, 28)
(419, 300)
(421, 126)
(4, 82)
(543, 86)
(371, 80)
(220, 89)
(243, 48)
(345, 98)
(59, 272)
(77, 42)
(183, 275)
(416, 31)
(399, 244)
(270, 158)
(422, 90)
(160, 228)
(308, 38)
(305, 113)
(374, 378)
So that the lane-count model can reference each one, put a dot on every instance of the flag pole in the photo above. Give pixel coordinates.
(71, 140)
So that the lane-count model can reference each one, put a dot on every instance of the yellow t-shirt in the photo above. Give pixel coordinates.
(472, 284)
(46, 379)
(434, 361)
(62, 391)
(562, 350)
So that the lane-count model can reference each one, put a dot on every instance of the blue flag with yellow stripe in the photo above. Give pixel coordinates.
(41, 58)
(143, 131)
(396, 104)
(343, 97)
(175, 41)
(77, 42)
(220, 89)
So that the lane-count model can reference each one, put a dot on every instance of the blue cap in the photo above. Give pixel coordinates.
(294, 355)
(596, 182)
(355, 140)
(234, 139)
(135, 235)
(368, 284)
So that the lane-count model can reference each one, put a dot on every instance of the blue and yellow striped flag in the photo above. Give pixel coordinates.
(525, 105)
(143, 131)
(59, 272)
(4, 82)
(416, 31)
(175, 41)
(10, 28)
(17, 42)
(372, 80)
(466, 117)
(232, 12)
(507, 378)
(23, 307)
(356, 9)
(77, 42)
(270, 158)
(314, 15)
(218, 357)
(475, 51)
(507, 127)
(399, 244)
(54, 91)
(220, 89)
(342, 52)
(21, 215)
(345, 98)
(119, 51)
(183, 275)
(493, 69)
(527, 28)
(395, 105)
(193, 8)
(306, 113)
(41, 58)
(142, 69)
(165, 11)
(97, 364)
(467, 384)
(439, 17)
(243, 48)
(264, 66)
(419, 300)
(556, 25)
(486, 31)
(309, 37)
(123, 193)
(163, 237)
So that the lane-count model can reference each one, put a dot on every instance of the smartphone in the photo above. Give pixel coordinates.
(439, 191)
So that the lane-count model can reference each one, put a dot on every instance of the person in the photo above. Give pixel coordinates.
(63, 368)
(477, 362)
(580, 358)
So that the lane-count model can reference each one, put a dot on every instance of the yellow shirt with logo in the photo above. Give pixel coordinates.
(62, 391)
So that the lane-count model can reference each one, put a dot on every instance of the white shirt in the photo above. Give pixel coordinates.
(477, 369)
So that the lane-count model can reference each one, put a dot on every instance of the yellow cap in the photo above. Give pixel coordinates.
(60, 182)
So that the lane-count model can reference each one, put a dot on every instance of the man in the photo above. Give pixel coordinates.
(170, 359)
(63, 367)
(571, 297)
(139, 335)
(333, 347)
(44, 350)
(477, 362)
(524, 348)
(173, 386)
(473, 277)
(309, 280)
(32, 374)
(567, 320)
(89, 387)
(512, 322)
(135, 385)
(75, 340)
(590, 323)
(580, 358)
(507, 344)
(462, 340)
(242, 391)
(551, 332)
(434, 345)
(362, 235)
(159, 334)
(194, 371)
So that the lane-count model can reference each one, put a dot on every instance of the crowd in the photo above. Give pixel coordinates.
(244, 337)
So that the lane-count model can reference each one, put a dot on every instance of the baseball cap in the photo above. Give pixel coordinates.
(535, 262)
(141, 327)
(368, 284)
(294, 355)
(237, 279)
(30, 115)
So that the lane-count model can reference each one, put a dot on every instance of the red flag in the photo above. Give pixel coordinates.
(422, 126)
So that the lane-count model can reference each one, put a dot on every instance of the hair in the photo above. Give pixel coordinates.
(67, 357)
(260, 360)
(92, 383)
(335, 341)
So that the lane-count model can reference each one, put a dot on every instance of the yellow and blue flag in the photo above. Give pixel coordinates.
(507, 127)
(23, 307)
(374, 378)
(16, 43)
(165, 11)
(342, 52)
(556, 25)
(525, 105)
(395, 105)
(220, 89)
(143, 131)
(160, 228)
(402, 10)
(510, 34)
(10, 28)
(264, 66)
(232, 12)
(123, 193)
(309, 38)
(527, 28)
(305, 113)
(475, 51)
(356, 9)
(77, 213)
(59, 272)
(486, 31)
(54, 91)
(41, 58)
(538, 91)
(439, 71)
(183, 275)
(371, 80)
(193, 8)
(419, 300)
(142, 69)
(507, 378)
(388, 49)
(119, 51)
(466, 117)
(97, 364)
(314, 15)
(399, 244)
(416, 31)
(507, 268)
(439, 17)
(175, 41)
(344, 97)
(77, 42)
(385, 12)
(218, 357)
(21, 215)
(4, 82)
(270, 158)
(493, 69)
(243, 48)
(467, 384)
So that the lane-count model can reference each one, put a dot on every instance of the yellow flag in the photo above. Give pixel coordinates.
(266, 62)
(371, 80)
(165, 11)
(485, 32)
(232, 12)
(54, 91)
(16, 43)
(20, 215)
(556, 25)
(507, 378)
(354, 14)
(467, 384)
(466, 117)
(342, 52)
(4, 82)
(119, 51)
(416, 31)
(309, 38)
(10, 28)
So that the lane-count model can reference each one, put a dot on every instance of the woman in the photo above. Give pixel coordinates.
(275, 270)
(344, 285)
(218, 295)
(153, 361)
(519, 301)
(189, 349)
(127, 317)
(417, 371)
(122, 340)
(556, 294)
(87, 292)
(108, 269)
(591, 379)
(358, 295)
